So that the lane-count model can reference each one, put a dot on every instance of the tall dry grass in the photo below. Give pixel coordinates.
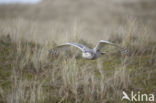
(36, 77)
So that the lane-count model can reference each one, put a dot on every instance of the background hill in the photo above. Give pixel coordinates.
(96, 18)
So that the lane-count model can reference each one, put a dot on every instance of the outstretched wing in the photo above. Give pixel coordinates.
(101, 43)
(65, 46)
(80, 46)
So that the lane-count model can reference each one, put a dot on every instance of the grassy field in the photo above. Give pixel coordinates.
(28, 74)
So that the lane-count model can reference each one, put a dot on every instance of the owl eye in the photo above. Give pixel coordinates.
(98, 50)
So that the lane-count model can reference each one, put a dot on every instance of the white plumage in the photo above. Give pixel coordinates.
(88, 53)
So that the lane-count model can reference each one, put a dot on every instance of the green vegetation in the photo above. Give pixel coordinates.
(28, 74)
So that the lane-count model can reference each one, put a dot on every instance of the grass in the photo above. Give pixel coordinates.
(28, 74)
